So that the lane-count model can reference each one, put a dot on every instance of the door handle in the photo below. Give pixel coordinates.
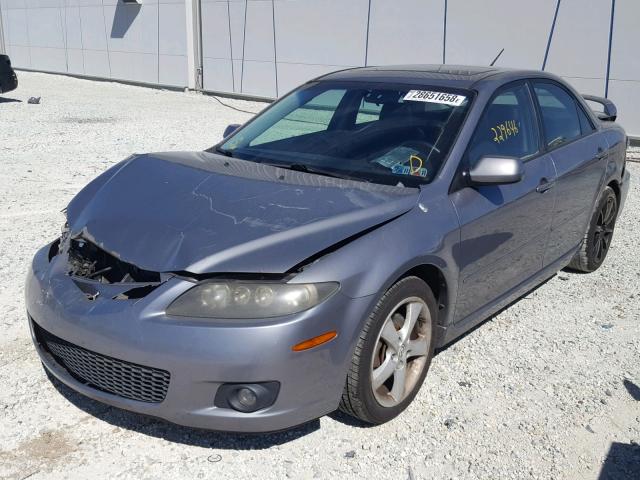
(544, 185)
(602, 153)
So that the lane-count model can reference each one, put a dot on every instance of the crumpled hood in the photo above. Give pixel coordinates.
(203, 213)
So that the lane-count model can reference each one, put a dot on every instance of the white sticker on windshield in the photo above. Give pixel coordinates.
(435, 97)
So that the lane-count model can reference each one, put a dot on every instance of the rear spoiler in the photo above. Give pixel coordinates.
(610, 112)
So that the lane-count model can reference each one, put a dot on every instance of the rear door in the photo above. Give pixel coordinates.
(503, 228)
(579, 154)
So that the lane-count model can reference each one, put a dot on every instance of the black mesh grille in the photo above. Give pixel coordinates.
(128, 380)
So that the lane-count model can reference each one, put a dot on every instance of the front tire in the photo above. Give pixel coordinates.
(597, 239)
(393, 353)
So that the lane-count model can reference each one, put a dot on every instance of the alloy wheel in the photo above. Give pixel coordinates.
(401, 350)
(604, 228)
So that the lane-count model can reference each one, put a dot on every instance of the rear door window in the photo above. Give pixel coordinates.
(560, 114)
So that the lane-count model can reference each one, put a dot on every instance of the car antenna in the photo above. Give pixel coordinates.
(496, 59)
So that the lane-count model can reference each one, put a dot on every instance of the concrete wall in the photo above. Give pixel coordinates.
(267, 47)
(102, 38)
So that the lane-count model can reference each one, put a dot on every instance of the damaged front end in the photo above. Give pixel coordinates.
(97, 272)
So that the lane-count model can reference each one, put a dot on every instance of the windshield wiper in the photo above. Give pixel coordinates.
(222, 151)
(300, 167)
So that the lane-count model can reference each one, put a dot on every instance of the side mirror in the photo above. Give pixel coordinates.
(496, 171)
(230, 129)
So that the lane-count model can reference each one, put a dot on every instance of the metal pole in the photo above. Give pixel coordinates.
(194, 44)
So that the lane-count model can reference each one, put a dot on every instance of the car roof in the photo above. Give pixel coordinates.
(460, 76)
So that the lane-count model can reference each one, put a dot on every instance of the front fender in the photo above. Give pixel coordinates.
(370, 264)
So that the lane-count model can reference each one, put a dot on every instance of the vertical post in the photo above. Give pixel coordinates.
(194, 44)
(444, 33)
(275, 51)
(553, 27)
(613, 13)
(366, 46)
(2, 50)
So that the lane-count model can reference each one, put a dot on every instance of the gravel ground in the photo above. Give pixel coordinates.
(549, 388)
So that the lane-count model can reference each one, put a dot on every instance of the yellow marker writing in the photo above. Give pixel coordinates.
(413, 170)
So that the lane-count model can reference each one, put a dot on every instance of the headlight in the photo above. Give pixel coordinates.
(230, 299)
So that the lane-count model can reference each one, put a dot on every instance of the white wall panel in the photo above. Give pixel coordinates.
(624, 84)
(236, 16)
(75, 61)
(215, 30)
(626, 96)
(172, 70)
(290, 75)
(172, 29)
(478, 30)
(591, 86)
(625, 63)
(86, 3)
(138, 67)
(43, 3)
(4, 30)
(20, 56)
(259, 78)
(405, 31)
(94, 36)
(103, 38)
(49, 59)
(580, 44)
(321, 32)
(237, 75)
(45, 28)
(7, 4)
(259, 33)
(73, 28)
(217, 74)
(131, 28)
(17, 33)
(96, 63)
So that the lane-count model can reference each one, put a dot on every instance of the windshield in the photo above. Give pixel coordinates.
(394, 135)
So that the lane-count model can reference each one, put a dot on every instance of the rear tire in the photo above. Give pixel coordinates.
(597, 240)
(393, 353)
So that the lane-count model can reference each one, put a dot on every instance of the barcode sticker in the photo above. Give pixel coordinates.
(434, 97)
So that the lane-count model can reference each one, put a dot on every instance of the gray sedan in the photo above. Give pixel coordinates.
(318, 256)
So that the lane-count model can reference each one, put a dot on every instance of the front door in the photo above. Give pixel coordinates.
(503, 228)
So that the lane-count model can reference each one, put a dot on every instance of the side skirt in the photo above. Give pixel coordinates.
(482, 314)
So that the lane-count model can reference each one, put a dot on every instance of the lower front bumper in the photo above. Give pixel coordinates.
(200, 356)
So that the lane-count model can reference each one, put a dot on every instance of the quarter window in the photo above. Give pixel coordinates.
(507, 128)
(585, 124)
(560, 114)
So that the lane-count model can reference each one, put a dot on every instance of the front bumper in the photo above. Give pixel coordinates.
(199, 355)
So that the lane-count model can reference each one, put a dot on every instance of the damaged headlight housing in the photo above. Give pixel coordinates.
(234, 299)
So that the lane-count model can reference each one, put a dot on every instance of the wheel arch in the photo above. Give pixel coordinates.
(434, 277)
(615, 186)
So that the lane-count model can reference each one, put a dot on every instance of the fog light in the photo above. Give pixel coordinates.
(246, 397)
